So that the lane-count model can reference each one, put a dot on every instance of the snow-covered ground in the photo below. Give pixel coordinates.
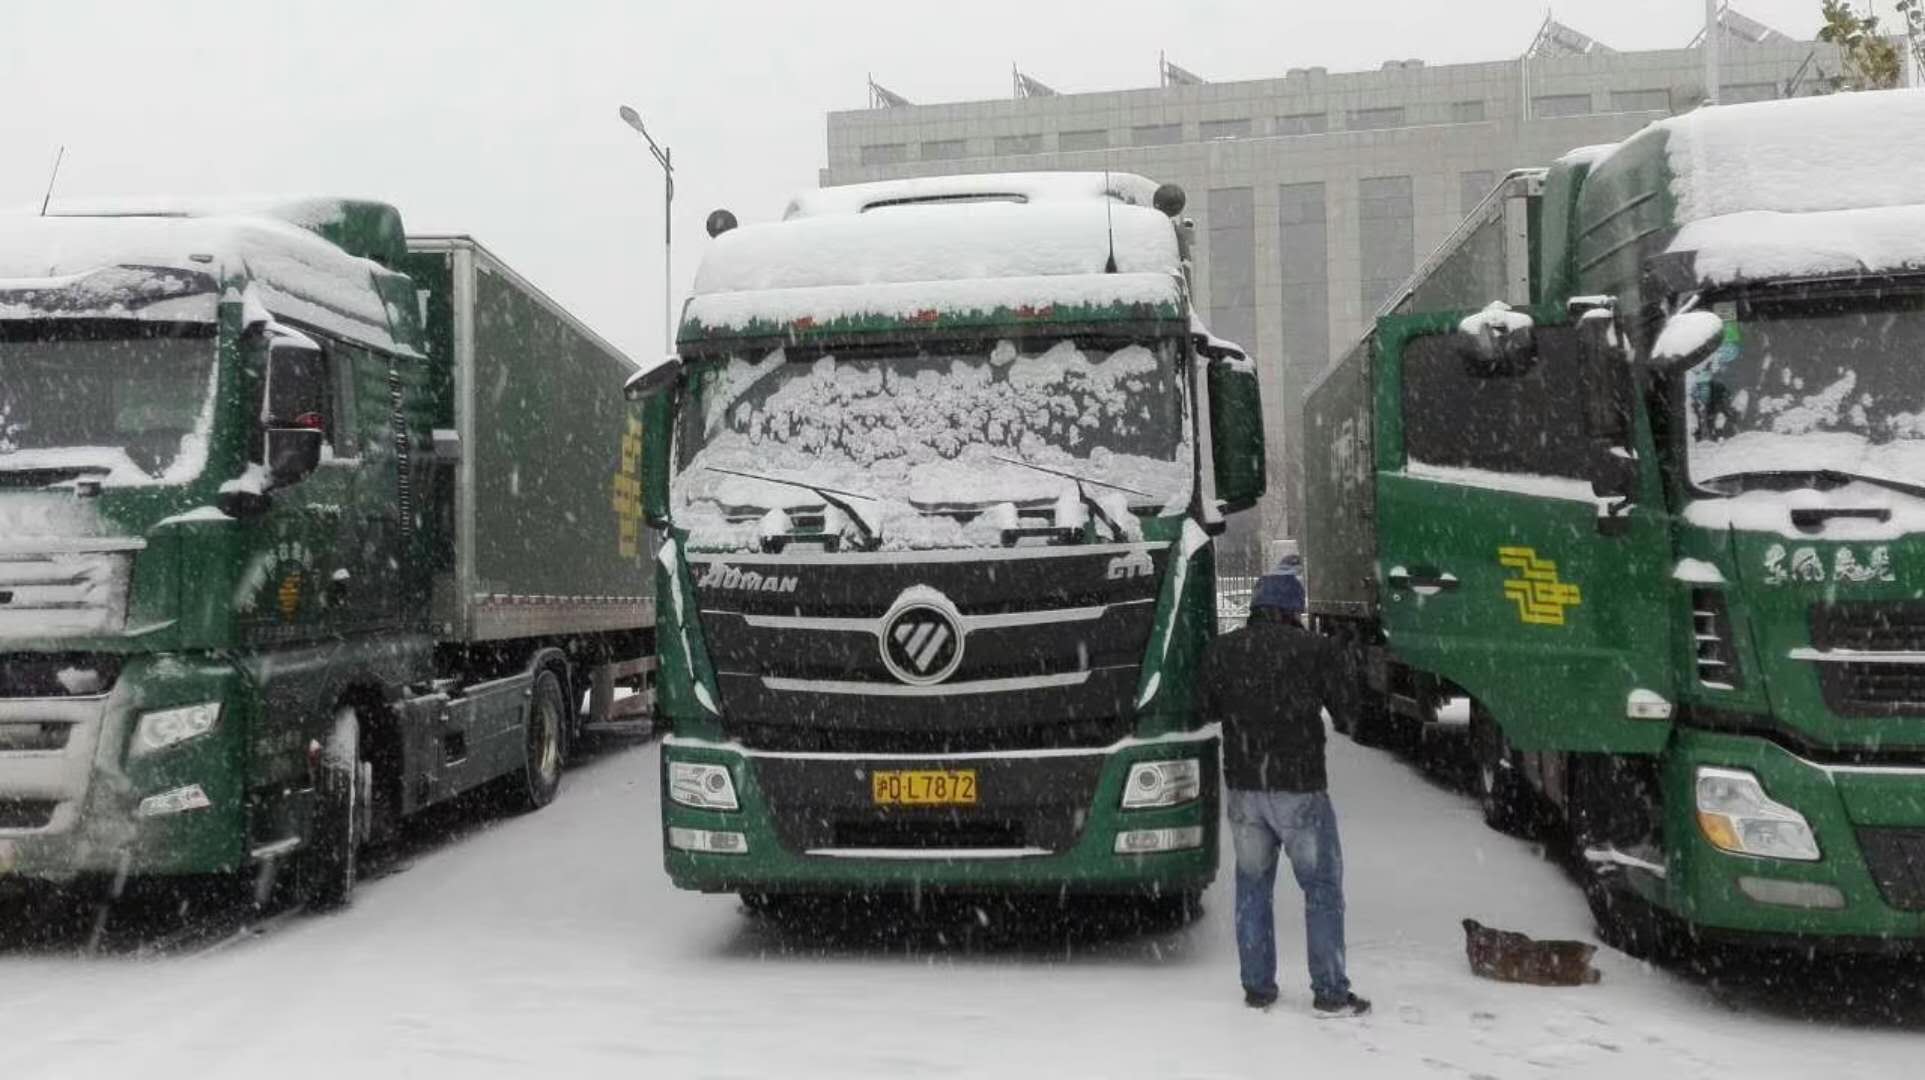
(551, 945)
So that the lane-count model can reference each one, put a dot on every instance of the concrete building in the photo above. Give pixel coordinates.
(1317, 193)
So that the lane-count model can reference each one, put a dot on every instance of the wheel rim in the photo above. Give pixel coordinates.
(548, 747)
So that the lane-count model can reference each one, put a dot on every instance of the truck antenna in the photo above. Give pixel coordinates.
(1109, 223)
(50, 180)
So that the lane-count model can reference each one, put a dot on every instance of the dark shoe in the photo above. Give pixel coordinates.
(1259, 1000)
(1347, 1005)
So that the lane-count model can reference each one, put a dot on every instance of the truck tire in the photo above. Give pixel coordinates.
(339, 829)
(1502, 793)
(546, 731)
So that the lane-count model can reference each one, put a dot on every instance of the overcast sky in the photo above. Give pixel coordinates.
(498, 117)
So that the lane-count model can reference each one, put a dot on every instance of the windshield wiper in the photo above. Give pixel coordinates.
(47, 475)
(833, 497)
(1828, 477)
(1096, 508)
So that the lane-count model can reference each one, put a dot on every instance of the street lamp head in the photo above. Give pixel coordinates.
(632, 119)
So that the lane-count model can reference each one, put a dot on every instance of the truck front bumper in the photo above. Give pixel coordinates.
(1867, 886)
(1043, 821)
(74, 801)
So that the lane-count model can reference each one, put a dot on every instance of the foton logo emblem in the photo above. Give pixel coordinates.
(724, 576)
(922, 638)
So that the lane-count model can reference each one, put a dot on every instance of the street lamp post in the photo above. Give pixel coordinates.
(662, 157)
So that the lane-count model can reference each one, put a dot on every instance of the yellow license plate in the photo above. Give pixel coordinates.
(923, 787)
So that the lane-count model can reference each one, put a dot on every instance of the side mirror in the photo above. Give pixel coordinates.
(658, 444)
(1236, 431)
(292, 454)
(1497, 342)
(651, 381)
(1688, 338)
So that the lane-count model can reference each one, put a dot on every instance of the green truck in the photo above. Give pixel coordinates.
(939, 468)
(1631, 475)
(305, 525)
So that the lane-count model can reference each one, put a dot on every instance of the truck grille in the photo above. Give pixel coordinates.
(31, 737)
(1890, 687)
(1896, 858)
(62, 594)
(52, 675)
(1018, 733)
(26, 813)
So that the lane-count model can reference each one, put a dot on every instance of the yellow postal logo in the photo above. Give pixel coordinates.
(1540, 597)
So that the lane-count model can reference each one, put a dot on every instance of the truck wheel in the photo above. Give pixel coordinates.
(343, 789)
(547, 725)
(1502, 792)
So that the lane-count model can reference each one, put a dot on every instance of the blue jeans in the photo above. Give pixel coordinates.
(1304, 827)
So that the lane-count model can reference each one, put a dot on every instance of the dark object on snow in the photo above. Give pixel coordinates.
(1258, 1000)
(1347, 1005)
(1512, 957)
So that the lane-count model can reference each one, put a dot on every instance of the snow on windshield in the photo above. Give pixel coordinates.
(923, 444)
(125, 407)
(1813, 388)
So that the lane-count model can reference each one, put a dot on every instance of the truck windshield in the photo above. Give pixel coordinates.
(121, 402)
(935, 436)
(1811, 387)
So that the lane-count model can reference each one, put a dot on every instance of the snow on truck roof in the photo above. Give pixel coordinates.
(1027, 187)
(1801, 155)
(904, 249)
(277, 245)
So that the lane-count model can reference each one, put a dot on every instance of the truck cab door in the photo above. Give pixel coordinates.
(1500, 570)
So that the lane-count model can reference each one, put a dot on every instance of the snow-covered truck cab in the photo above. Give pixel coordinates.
(180, 497)
(946, 458)
(1659, 520)
(1769, 265)
(282, 543)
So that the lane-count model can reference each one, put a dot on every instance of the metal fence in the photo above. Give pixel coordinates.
(1233, 601)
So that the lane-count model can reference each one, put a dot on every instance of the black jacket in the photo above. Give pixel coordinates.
(1267, 684)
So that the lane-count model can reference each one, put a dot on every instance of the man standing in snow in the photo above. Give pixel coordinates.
(1268, 685)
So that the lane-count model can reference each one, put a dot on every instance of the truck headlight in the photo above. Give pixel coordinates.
(1162, 783)
(702, 786)
(164, 728)
(1736, 815)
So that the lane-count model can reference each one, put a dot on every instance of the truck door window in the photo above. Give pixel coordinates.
(1527, 424)
(310, 389)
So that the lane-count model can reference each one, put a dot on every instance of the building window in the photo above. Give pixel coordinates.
(945, 149)
(1231, 216)
(885, 153)
(1156, 134)
(1640, 101)
(1309, 123)
(1007, 145)
(1466, 112)
(1554, 105)
(1303, 244)
(1738, 93)
(1386, 237)
(1224, 129)
(1375, 119)
(1471, 189)
(1069, 141)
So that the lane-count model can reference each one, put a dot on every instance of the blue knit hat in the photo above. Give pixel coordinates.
(1281, 591)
